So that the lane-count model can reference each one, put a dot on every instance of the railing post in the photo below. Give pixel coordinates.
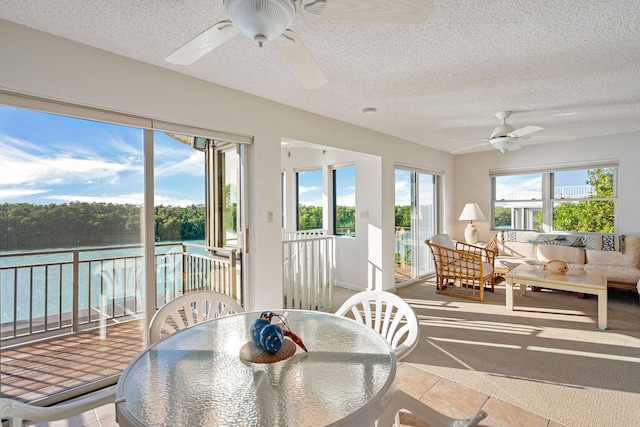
(232, 272)
(184, 268)
(75, 292)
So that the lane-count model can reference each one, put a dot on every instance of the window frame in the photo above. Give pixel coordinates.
(334, 201)
(548, 197)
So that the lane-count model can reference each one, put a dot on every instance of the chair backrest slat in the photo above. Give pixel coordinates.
(389, 315)
(188, 310)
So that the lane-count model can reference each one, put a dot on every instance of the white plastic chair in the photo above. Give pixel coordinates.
(18, 412)
(390, 316)
(387, 314)
(401, 400)
(189, 309)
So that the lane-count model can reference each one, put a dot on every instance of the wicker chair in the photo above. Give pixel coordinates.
(462, 270)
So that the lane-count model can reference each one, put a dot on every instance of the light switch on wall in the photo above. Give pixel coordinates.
(269, 216)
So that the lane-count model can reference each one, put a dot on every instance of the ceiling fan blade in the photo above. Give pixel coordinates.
(468, 148)
(525, 131)
(300, 60)
(203, 43)
(550, 138)
(391, 11)
(470, 139)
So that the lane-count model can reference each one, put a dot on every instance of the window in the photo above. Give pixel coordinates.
(571, 200)
(517, 201)
(309, 199)
(344, 201)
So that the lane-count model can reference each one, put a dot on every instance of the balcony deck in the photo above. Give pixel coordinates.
(33, 370)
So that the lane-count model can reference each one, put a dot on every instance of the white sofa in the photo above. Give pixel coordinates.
(616, 256)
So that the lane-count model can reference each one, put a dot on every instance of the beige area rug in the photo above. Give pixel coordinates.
(547, 356)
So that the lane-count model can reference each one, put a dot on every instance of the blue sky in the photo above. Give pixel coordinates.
(310, 187)
(46, 159)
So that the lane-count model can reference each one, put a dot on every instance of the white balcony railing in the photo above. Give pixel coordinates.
(47, 293)
(309, 270)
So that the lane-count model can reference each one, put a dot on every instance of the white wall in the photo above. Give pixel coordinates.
(43, 65)
(472, 175)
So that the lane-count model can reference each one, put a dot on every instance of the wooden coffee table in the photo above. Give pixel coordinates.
(587, 282)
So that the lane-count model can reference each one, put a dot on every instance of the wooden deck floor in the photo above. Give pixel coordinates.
(34, 370)
(402, 273)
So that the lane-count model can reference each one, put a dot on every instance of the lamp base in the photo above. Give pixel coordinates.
(471, 234)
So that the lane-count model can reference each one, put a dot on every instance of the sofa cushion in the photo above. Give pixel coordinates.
(630, 257)
(616, 273)
(568, 254)
(517, 249)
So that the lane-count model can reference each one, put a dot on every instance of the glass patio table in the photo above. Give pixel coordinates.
(196, 376)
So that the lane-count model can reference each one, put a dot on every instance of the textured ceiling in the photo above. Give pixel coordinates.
(438, 83)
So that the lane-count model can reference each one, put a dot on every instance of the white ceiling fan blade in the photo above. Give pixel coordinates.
(468, 148)
(300, 60)
(203, 43)
(550, 138)
(525, 131)
(391, 11)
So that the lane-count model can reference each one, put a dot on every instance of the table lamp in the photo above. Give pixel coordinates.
(471, 212)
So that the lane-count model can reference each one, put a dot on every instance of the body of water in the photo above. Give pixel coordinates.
(33, 284)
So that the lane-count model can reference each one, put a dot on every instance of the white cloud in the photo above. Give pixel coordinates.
(347, 200)
(302, 189)
(16, 193)
(170, 201)
(24, 168)
(191, 165)
(132, 199)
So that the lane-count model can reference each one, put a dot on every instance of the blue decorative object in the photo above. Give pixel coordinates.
(256, 329)
(271, 337)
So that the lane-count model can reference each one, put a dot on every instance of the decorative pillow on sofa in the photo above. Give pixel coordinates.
(609, 243)
(630, 257)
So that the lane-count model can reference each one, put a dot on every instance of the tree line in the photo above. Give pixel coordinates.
(30, 226)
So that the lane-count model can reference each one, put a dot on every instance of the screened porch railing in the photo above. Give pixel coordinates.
(309, 271)
(47, 293)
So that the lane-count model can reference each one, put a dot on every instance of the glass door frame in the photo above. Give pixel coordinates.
(421, 263)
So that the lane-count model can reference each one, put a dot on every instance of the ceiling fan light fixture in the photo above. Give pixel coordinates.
(261, 20)
(503, 143)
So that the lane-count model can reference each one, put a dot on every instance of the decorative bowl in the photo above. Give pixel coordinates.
(557, 266)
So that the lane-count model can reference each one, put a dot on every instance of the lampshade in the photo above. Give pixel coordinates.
(261, 20)
(471, 212)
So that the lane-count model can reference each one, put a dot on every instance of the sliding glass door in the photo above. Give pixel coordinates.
(80, 272)
(415, 214)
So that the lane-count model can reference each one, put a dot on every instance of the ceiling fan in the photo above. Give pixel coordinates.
(265, 21)
(505, 137)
